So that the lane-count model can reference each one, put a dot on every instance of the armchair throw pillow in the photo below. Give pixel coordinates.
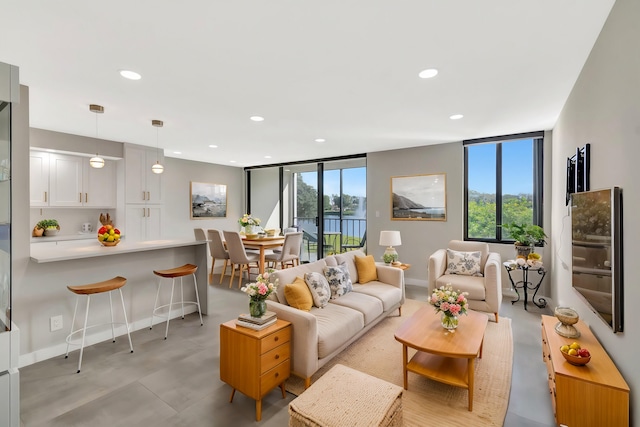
(319, 288)
(366, 267)
(463, 263)
(339, 280)
(298, 294)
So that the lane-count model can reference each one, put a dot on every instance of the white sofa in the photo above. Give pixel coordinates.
(322, 333)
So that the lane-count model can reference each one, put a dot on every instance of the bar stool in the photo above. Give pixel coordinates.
(173, 273)
(88, 290)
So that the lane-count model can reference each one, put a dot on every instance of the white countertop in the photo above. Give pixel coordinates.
(68, 250)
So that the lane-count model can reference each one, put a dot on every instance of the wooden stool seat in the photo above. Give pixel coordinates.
(171, 273)
(87, 291)
(99, 287)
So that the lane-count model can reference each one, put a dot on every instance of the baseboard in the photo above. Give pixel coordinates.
(90, 339)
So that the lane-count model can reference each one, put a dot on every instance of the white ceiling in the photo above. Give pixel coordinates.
(346, 71)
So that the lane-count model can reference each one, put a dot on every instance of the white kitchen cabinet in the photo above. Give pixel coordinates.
(39, 178)
(143, 222)
(65, 180)
(62, 180)
(142, 185)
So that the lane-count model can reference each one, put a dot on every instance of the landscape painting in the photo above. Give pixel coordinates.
(208, 200)
(419, 198)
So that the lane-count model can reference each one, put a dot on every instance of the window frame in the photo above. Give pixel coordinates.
(538, 181)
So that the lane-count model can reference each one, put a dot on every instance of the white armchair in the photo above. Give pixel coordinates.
(485, 292)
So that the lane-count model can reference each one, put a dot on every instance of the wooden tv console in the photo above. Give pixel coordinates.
(591, 395)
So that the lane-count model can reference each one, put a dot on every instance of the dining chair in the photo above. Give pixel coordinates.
(217, 251)
(199, 234)
(238, 256)
(290, 254)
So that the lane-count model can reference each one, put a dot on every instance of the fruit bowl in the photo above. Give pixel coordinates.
(104, 243)
(251, 236)
(576, 360)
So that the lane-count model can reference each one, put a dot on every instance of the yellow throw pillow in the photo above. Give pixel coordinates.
(298, 294)
(366, 267)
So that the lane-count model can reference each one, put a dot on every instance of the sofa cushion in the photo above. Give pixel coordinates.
(336, 325)
(339, 280)
(366, 267)
(349, 259)
(473, 285)
(288, 275)
(319, 288)
(370, 307)
(298, 294)
(464, 263)
(389, 295)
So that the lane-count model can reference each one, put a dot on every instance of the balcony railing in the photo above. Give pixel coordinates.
(338, 232)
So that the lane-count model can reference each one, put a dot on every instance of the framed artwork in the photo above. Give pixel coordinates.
(419, 198)
(208, 200)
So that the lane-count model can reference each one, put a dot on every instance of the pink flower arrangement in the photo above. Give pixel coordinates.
(261, 288)
(448, 301)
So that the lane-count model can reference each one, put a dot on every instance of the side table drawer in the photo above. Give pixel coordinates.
(274, 340)
(274, 377)
(274, 357)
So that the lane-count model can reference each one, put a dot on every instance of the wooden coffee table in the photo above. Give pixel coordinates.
(447, 357)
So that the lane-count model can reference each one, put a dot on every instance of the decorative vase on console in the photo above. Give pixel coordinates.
(258, 292)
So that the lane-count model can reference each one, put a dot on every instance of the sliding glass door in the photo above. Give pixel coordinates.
(324, 200)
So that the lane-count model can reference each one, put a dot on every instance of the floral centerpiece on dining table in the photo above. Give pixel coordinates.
(450, 303)
(258, 292)
(248, 222)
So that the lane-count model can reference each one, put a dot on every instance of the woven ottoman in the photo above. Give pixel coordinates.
(346, 397)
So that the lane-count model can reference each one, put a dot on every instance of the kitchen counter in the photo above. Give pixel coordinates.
(69, 250)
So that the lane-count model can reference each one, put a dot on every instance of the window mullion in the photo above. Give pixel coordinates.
(499, 191)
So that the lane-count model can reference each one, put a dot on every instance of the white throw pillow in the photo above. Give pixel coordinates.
(463, 263)
(319, 288)
(339, 280)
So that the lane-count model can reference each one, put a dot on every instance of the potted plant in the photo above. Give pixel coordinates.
(526, 236)
(50, 226)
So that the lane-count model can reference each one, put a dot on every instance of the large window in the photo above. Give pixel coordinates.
(503, 184)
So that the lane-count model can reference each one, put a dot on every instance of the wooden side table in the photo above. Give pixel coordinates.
(254, 362)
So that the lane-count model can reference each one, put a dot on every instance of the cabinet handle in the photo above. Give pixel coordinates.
(277, 374)
(148, 195)
(276, 339)
(144, 195)
(86, 197)
(277, 356)
(149, 212)
(80, 197)
(144, 212)
(45, 196)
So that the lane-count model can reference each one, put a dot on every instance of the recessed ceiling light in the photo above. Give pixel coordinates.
(267, 157)
(232, 161)
(131, 75)
(177, 152)
(257, 118)
(213, 146)
(428, 73)
(456, 117)
(320, 140)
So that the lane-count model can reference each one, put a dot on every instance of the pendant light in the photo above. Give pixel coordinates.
(157, 168)
(97, 161)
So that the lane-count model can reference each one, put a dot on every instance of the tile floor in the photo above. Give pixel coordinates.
(176, 382)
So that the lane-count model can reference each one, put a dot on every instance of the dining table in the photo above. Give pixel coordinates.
(263, 243)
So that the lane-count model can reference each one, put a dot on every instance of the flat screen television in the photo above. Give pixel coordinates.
(596, 242)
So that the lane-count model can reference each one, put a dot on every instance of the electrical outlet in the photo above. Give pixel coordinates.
(56, 323)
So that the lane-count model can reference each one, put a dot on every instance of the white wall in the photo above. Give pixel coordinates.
(604, 110)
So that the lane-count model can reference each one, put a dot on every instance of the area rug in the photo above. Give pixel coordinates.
(427, 402)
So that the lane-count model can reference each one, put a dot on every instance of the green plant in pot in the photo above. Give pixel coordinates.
(526, 236)
(50, 226)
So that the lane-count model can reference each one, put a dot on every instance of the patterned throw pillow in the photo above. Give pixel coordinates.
(319, 288)
(339, 280)
(463, 263)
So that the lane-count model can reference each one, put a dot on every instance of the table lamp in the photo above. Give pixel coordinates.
(390, 239)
